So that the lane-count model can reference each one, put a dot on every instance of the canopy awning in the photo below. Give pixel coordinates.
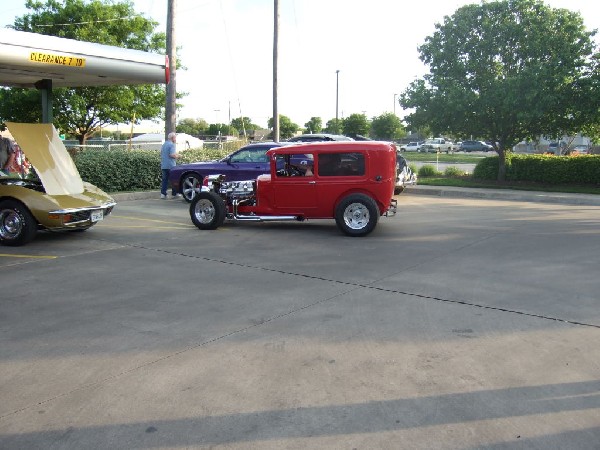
(28, 59)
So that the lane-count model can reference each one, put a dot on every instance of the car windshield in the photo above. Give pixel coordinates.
(252, 155)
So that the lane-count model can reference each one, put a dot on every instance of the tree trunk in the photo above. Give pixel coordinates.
(501, 164)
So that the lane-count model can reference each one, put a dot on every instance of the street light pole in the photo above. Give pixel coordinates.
(171, 90)
(337, 96)
(276, 131)
(395, 95)
(217, 111)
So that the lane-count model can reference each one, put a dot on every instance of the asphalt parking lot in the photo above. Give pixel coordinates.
(461, 323)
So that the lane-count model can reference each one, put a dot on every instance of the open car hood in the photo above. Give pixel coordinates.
(47, 154)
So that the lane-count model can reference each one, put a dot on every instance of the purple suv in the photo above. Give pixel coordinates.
(245, 164)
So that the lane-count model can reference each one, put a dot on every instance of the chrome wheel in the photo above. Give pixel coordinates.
(17, 225)
(207, 211)
(11, 224)
(204, 211)
(356, 216)
(190, 187)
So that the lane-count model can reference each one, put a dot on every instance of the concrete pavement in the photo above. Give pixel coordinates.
(461, 323)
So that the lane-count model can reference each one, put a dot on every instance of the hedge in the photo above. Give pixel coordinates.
(139, 170)
(547, 169)
(132, 170)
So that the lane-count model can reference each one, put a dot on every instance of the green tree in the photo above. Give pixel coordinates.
(314, 125)
(20, 105)
(82, 111)
(243, 125)
(222, 129)
(387, 126)
(356, 124)
(193, 127)
(592, 131)
(287, 128)
(507, 71)
(333, 126)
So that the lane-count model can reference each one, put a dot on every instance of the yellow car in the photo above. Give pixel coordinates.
(57, 199)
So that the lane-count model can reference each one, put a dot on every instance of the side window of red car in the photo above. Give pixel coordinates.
(341, 164)
(300, 165)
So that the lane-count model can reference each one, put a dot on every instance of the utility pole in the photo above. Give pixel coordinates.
(170, 106)
(337, 96)
(275, 57)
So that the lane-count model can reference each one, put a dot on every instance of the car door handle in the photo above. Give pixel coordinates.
(312, 182)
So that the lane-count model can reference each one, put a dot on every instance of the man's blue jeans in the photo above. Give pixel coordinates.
(165, 183)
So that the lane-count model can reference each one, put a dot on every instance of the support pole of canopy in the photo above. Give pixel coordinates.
(45, 86)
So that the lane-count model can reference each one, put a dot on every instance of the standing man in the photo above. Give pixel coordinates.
(168, 157)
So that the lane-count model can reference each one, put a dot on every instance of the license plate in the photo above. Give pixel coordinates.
(97, 215)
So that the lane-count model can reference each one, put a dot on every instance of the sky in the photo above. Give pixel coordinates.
(226, 47)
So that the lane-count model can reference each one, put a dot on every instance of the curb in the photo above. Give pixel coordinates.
(142, 195)
(506, 194)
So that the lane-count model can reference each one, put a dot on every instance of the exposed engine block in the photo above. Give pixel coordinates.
(233, 192)
(238, 189)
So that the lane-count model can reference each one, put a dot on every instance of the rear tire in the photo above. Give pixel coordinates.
(207, 211)
(357, 215)
(17, 225)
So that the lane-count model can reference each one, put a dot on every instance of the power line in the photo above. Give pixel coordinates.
(83, 23)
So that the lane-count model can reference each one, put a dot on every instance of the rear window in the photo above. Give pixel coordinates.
(341, 164)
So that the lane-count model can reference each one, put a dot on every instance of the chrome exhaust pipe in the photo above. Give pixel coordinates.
(253, 218)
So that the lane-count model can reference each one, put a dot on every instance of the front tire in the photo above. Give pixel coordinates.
(191, 185)
(207, 211)
(357, 215)
(17, 225)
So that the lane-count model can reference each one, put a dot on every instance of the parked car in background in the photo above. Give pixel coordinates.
(411, 147)
(351, 182)
(154, 141)
(557, 148)
(319, 137)
(246, 163)
(404, 175)
(438, 145)
(475, 146)
(581, 150)
(53, 197)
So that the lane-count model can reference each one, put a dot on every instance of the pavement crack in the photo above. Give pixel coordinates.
(381, 289)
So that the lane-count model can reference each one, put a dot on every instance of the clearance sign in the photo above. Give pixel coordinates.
(59, 60)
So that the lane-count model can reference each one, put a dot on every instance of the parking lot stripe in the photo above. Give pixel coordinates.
(170, 227)
(29, 256)
(147, 220)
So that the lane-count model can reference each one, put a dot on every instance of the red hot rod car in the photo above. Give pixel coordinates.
(351, 182)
